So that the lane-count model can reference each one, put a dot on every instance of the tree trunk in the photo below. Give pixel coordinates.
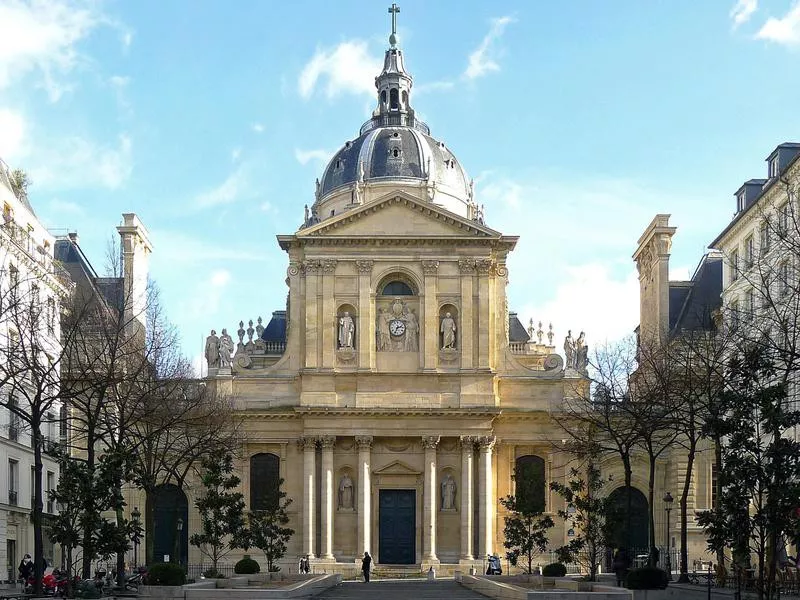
(651, 484)
(149, 527)
(120, 555)
(626, 463)
(87, 547)
(38, 539)
(687, 483)
(718, 495)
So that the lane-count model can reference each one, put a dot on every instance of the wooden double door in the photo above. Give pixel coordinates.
(397, 527)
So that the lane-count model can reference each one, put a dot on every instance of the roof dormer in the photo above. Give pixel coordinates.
(781, 157)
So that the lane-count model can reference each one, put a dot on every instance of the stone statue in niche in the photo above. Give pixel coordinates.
(347, 328)
(448, 329)
(581, 353)
(569, 351)
(449, 493)
(346, 492)
(212, 350)
(225, 349)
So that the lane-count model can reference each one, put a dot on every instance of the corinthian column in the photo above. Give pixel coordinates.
(309, 447)
(467, 450)
(327, 495)
(486, 496)
(364, 443)
(429, 497)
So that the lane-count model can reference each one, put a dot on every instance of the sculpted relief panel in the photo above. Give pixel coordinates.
(397, 328)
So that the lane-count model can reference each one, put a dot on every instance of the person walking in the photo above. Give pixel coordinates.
(365, 564)
(25, 569)
(620, 565)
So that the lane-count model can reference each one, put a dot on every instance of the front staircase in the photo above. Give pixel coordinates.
(401, 590)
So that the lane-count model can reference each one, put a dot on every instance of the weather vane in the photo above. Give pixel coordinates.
(393, 10)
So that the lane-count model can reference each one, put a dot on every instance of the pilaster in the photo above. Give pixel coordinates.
(366, 320)
(467, 268)
(312, 268)
(329, 327)
(430, 332)
(483, 265)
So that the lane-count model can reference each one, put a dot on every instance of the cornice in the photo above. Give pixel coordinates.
(400, 411)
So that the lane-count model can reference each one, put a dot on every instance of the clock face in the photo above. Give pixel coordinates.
(397, 327)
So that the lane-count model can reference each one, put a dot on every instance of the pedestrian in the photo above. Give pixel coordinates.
(25, 569)
(365, 563)
(620, 565)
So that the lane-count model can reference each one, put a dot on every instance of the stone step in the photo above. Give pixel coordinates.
(401, 590)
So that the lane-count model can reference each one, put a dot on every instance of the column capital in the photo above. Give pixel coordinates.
(364, 442)
(429, 442)
(484, 265)
(307, 442)
(327, 441)
(294, 269)
(329, 265)
(430, 267)
(466, 266)
(468, 443)
(312, 265)
(364, 267)
(487, 442)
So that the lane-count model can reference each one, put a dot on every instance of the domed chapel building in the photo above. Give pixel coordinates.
(396, 394)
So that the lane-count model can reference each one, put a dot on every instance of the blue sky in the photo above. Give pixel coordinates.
(579, 121)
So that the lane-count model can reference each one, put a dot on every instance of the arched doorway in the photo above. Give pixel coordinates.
(639, 519)
(169, 503)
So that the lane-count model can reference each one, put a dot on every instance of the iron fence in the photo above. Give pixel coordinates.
(196, 571)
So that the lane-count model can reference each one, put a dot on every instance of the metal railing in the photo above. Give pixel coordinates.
(12, 497)
(195, 571)
(397, 119)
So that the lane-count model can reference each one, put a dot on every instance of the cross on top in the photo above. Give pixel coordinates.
(393, 10)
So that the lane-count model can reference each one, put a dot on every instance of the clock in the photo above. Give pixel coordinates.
(397, 327)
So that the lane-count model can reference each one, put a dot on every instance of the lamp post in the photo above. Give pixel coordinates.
(179, 527)
(667, 508)
(136, 515)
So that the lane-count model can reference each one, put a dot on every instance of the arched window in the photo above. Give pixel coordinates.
(383, 97)
(394, 99)
(530, 483)
(265, 477)
(397, 288)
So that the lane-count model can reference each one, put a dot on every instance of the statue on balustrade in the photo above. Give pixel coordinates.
(347, 328)
(225, 349)
(448, 329)
(581, 353)
(212, 350)
(569, 351)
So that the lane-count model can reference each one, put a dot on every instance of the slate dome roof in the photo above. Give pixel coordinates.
(394, 152)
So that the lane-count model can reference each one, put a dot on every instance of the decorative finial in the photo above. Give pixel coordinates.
(393, 10)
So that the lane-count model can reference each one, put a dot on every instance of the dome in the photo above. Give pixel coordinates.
(393, 149)
(395, 153)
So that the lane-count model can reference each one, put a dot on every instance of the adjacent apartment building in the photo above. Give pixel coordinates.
(31, 280)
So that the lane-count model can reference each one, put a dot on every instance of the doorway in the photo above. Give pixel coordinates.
(397, 527)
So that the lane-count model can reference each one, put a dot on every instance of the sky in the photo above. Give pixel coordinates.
(579, 122)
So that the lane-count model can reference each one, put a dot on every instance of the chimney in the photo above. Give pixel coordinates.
(652, 262)
(73, 237)
(136, 249)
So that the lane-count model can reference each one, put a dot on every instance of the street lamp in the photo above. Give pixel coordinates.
(667, 508)
(136, 515)
(179, 527)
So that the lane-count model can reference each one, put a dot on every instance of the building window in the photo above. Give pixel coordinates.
(783, 278)
(62, 423)
(50, 486)
(740, 199)
(783, 219)
(397, 288)
(13, 279)
(530, 484)
(748, 252)
(734, 265)
(51, 316)
(714, 474)
(764, 240)
(751, 304)
(773, 167)
(13, 419)
(734, 309)
(13, 481)
(265, 476)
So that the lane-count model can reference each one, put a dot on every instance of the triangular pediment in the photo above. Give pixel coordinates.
(398, 215)
(397, 467)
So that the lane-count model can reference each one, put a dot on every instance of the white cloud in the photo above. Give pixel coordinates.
(118, 81)
(257, 128)
(589, 298)
(482, 61)
(305, 156)
(786, 30)
(235, 154)
(12, 134)
(227, 192)
(349, 68)
(78, 163)
(43, 36)
(742, 11)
